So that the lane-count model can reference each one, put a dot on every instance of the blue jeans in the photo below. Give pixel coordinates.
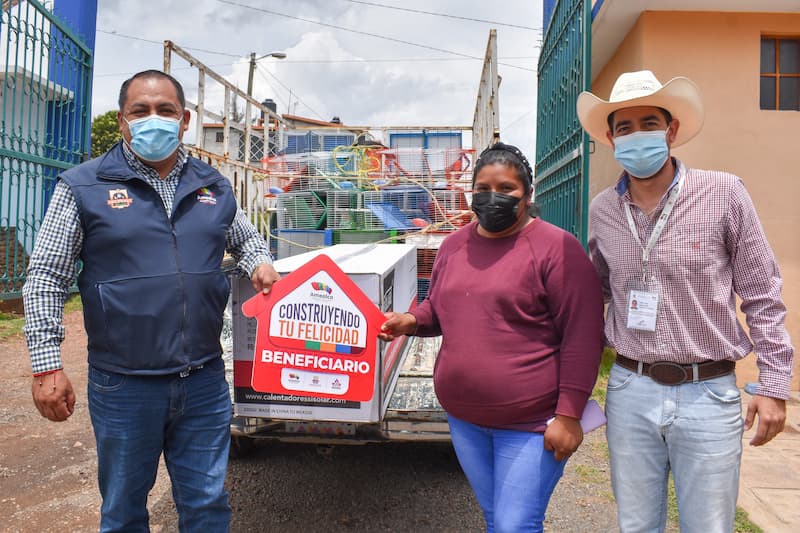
(510, 472)
(135, 419)
(695, 430)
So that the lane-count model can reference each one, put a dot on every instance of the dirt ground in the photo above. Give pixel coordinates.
(48, 474)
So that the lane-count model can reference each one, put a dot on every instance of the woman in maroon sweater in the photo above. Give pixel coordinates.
(520, 310)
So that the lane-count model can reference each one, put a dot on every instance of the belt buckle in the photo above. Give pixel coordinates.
(668, 373)
(186, 371)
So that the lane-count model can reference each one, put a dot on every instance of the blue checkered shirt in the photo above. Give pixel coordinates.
(51, 270)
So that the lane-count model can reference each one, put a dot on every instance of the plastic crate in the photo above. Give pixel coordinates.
(425, 260)
(366, 236)
(297, 241)
(300, 210)
(423, 285)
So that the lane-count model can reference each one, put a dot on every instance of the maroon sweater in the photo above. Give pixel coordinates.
(521, 319)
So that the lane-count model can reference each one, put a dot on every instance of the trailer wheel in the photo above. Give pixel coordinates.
(241, 447)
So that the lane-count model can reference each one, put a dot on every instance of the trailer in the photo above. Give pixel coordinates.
(404, 406)
(310, 186)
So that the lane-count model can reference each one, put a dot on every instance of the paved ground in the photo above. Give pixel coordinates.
(769, 487)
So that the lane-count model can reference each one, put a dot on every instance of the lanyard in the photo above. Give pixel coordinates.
(662, 221)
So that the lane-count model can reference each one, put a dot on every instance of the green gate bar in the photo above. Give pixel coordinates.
(562, 162)
(45, 121)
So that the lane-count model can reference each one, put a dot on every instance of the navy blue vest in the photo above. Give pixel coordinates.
(152, 287)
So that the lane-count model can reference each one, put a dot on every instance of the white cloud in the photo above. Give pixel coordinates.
(345, 82)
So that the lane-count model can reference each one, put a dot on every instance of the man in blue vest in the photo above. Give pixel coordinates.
(151, 226)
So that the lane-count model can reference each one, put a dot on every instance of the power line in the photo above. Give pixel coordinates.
(285, 61)
(393, 39)
(129, 73)
(517, 120)
(397, 60)
(275, 91)
(161, 43)
(291, 91)
(328, 61)
(445, 15)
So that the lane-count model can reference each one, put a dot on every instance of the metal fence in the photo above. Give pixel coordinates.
(562, 162)
(45, 122)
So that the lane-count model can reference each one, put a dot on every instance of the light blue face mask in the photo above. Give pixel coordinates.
(642, 153)
(154, 138)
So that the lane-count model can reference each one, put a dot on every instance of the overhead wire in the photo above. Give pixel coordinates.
(286, 61)
(518, 119)
(275, 91)
(445, 15)
(291, 92)
(161, 43)
(360, 32)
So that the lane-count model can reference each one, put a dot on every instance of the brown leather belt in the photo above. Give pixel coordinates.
(669, 373)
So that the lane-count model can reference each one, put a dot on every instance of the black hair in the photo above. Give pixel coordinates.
(147, 74)
(507, 155)
(610, 119)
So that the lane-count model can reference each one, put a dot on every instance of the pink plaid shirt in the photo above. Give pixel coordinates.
(712, 248)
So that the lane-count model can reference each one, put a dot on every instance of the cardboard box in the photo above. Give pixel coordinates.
(387, 275)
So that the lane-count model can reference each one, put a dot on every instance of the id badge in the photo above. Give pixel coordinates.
(642, 310)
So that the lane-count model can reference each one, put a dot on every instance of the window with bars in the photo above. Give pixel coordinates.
(780, 73)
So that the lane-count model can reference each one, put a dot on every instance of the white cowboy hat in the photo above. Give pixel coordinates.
(680, 96)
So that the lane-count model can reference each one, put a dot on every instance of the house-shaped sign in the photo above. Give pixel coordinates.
(316, 335)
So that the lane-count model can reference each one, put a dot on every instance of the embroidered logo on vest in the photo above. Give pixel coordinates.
(118, 199)
(206, 196)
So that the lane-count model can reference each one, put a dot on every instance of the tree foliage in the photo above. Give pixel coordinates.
(105, 132)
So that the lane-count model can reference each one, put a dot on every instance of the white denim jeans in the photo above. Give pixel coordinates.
(694, 430)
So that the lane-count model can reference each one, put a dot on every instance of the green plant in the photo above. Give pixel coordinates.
(73, 303)
(105, 132)
(742, 523)
(11, 325)
(590, 474)
(606, 362)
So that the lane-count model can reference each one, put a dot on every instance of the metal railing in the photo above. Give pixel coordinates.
(45, 123)
(562, 161)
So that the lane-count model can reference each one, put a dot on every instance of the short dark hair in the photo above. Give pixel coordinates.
(667, 115)
(147, 74)
(507, 155)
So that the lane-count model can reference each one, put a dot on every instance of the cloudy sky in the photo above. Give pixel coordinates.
(368, 64)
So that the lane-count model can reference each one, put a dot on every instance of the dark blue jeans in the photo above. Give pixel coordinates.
(135, 419)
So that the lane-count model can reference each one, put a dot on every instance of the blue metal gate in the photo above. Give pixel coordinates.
(562, 162)
(45, 120)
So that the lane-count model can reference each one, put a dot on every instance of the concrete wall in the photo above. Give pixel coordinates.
(721, 53)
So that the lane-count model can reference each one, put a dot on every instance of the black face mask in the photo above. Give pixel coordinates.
(496, 211)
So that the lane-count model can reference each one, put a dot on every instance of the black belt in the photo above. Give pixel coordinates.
(669, 373)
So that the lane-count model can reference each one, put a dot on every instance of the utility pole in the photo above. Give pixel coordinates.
(250, 73)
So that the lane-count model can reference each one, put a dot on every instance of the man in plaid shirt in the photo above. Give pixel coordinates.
(674, 246)
(151, 226)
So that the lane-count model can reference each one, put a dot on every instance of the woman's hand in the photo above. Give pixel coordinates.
(397, 324)
(563, 436)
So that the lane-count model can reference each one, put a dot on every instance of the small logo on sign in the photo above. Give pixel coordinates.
(206, 196)
(336, 384)
(321, 290)
(319, 286)
(118, 199)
